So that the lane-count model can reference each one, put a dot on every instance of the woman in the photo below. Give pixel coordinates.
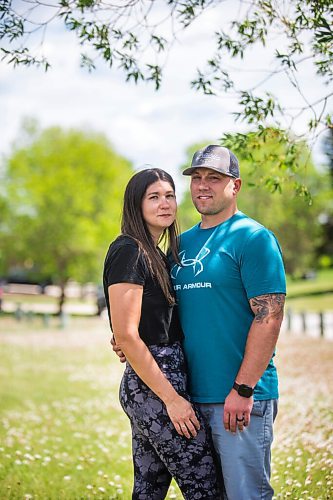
(168, 438)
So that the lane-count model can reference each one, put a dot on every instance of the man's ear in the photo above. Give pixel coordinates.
(237, 185)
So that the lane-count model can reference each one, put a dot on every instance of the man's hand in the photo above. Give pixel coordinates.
(260, 344)
(237, 410)
(117, 350)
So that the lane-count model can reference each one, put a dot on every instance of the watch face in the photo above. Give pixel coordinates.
(245, 391)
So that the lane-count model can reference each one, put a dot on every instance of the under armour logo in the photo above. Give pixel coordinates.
(196, 263)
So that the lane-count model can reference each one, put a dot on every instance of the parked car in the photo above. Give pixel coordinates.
(100, 300)
(22, 277)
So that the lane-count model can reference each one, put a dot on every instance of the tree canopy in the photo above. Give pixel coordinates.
(63, 199)
(137, 36)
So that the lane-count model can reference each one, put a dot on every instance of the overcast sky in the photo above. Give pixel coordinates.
(143, 125)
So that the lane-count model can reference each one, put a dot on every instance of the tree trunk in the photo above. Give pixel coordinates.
(62, 299)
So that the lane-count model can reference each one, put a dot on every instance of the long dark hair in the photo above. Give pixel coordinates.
(134, 225)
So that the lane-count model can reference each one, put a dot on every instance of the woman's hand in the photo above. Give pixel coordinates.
(183, 417)
(180, 411)
(125, 306)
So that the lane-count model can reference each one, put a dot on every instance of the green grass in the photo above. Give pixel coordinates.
(322, 283)
(302, 450)
(63, 434)
(64, 431)
(311, 303)
(315, 295)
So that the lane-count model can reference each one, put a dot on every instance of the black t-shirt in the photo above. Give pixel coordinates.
(124, 263)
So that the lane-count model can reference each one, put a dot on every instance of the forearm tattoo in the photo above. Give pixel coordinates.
(266, 307)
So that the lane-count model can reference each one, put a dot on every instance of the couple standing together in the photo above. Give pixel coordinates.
(197, 329)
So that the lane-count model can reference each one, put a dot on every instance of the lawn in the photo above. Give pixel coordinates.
(64, 435)
(315, 295)
(311, 303)
(321, 283)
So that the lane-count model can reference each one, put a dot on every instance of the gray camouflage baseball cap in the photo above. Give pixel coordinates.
(217, 158)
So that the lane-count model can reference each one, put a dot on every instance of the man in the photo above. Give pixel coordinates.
(231, 290)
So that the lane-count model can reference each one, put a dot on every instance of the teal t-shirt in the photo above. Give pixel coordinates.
(222, 268)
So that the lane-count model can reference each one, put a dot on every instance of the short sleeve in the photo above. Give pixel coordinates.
(262, 266)
(124, 264)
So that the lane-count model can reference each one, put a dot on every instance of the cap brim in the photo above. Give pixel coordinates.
(190, 170)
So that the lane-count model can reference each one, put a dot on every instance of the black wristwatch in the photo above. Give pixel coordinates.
(243, 390)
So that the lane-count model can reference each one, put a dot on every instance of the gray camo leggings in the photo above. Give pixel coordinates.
(159, 452)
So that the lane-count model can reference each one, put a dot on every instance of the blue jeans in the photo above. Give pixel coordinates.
(245, 456)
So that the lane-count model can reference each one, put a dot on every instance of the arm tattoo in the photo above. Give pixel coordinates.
(266, 307)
